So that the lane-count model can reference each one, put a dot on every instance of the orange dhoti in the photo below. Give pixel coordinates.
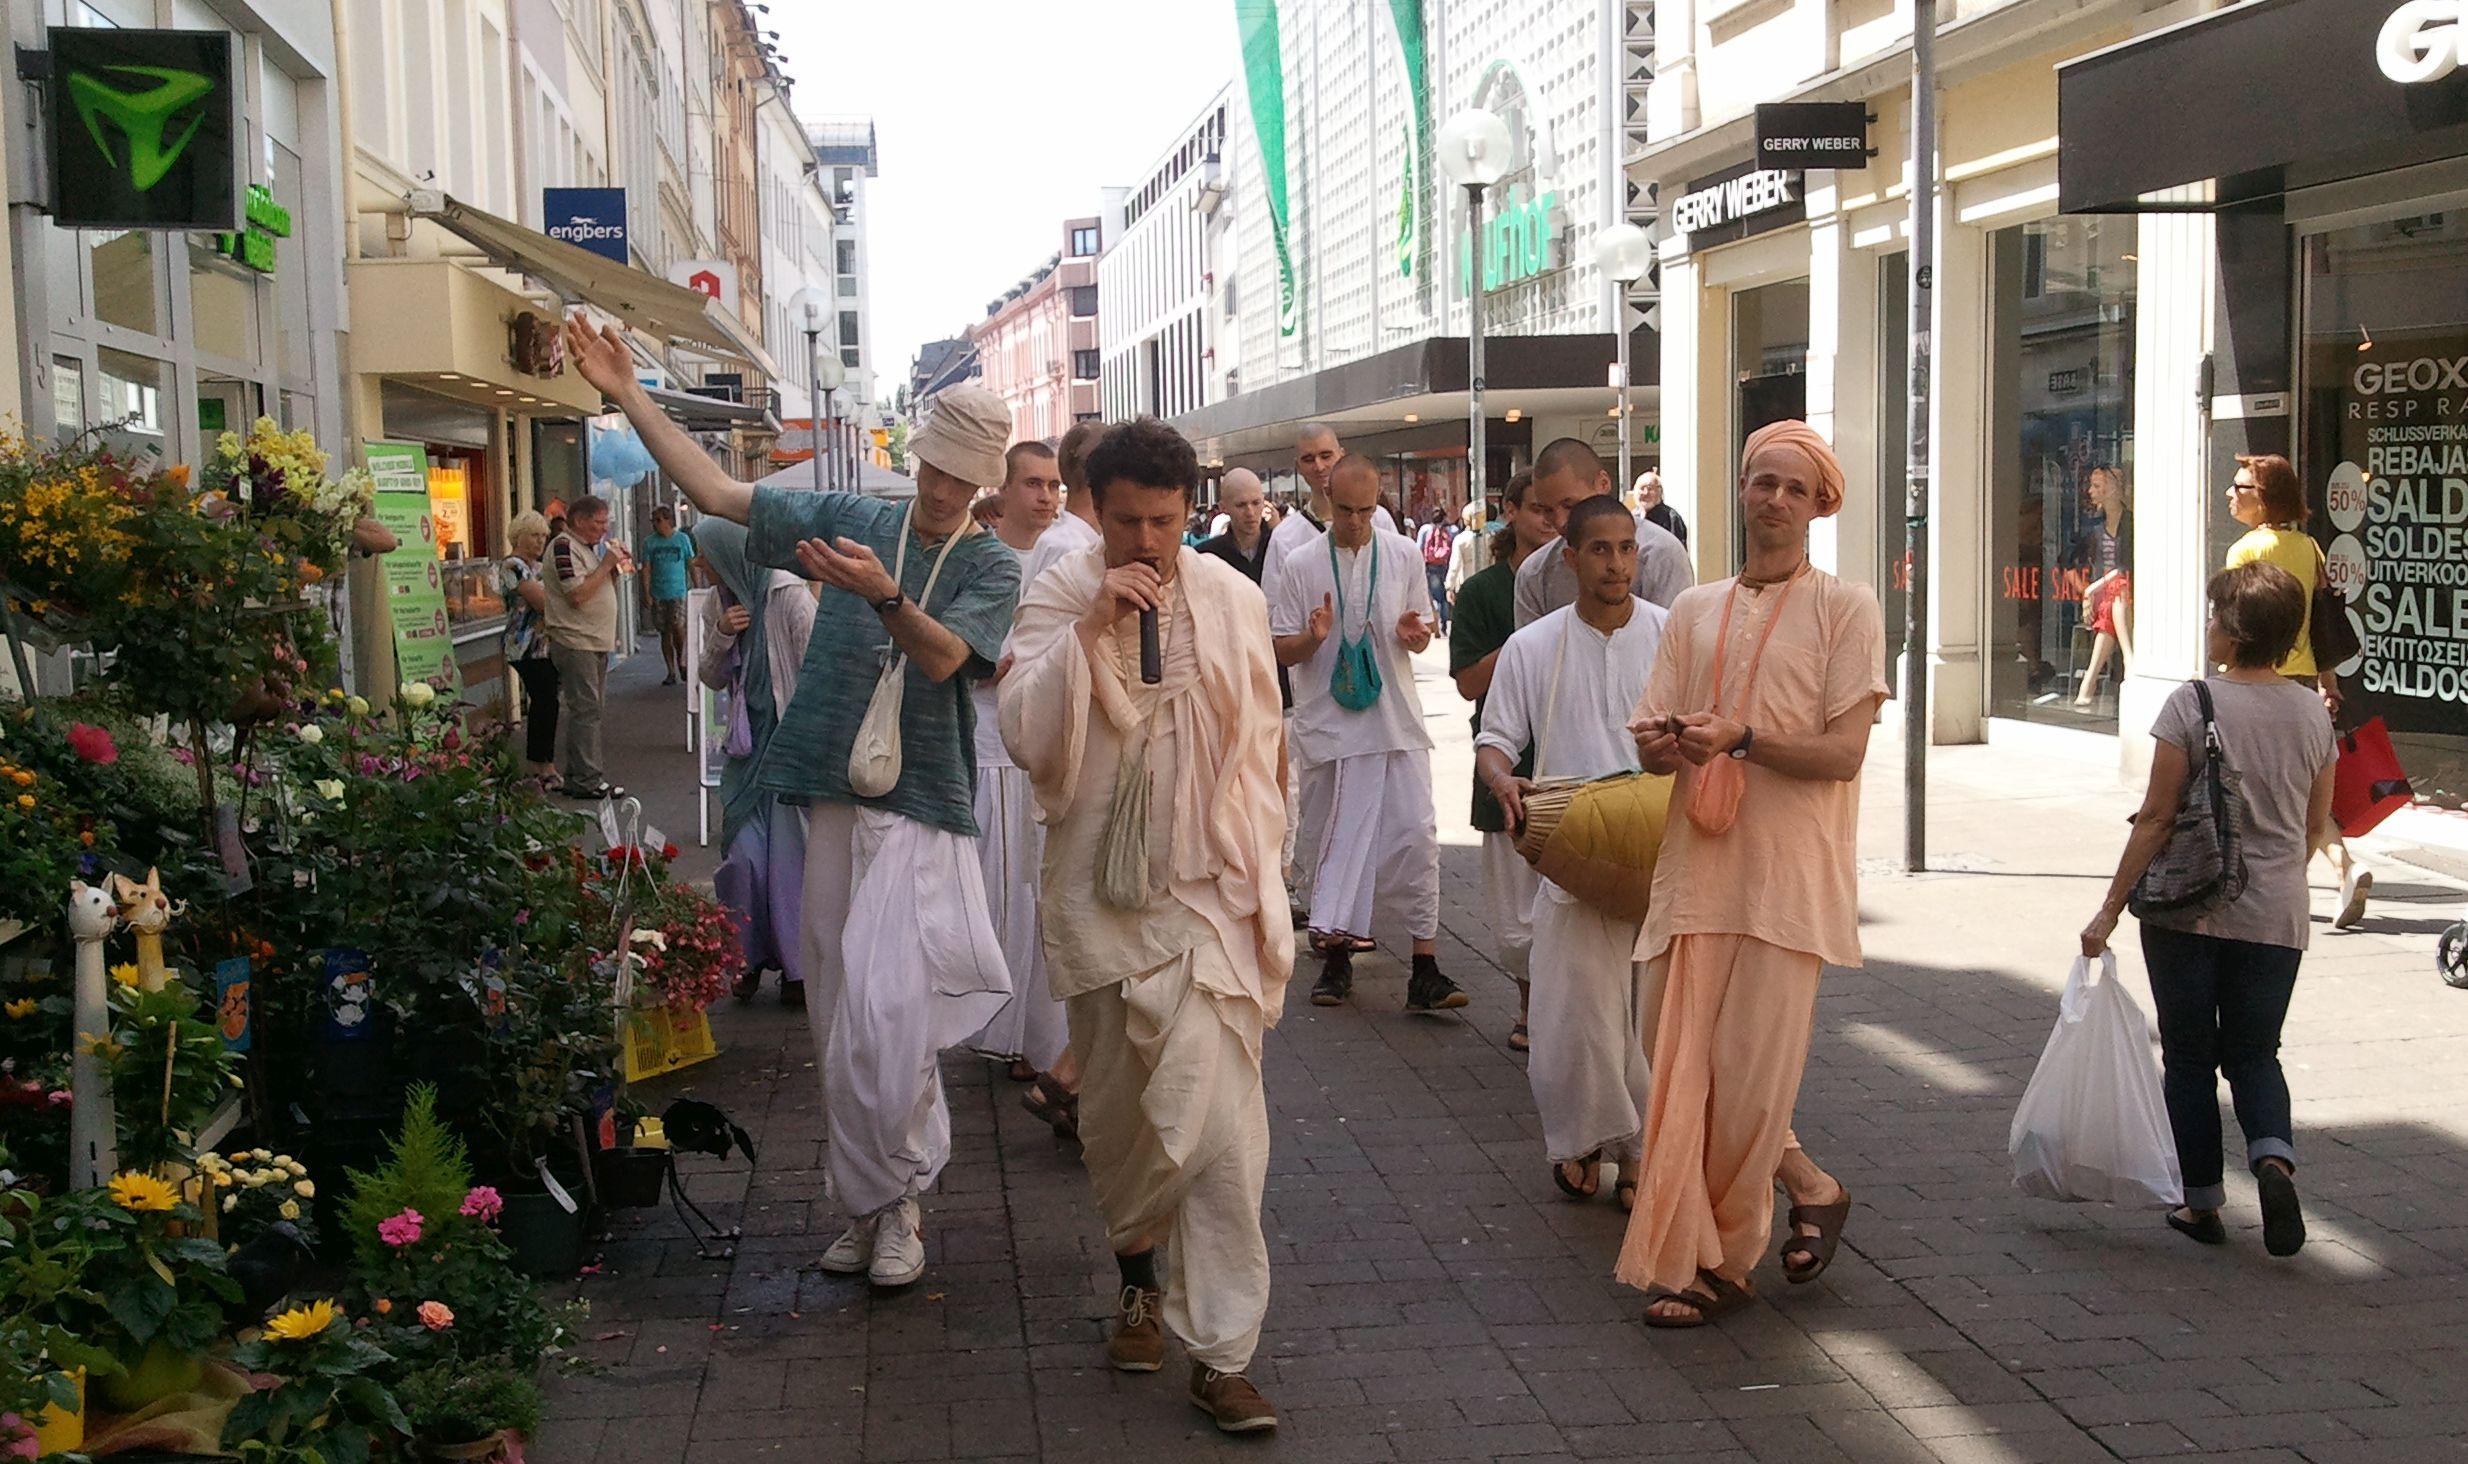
(1729, 1017)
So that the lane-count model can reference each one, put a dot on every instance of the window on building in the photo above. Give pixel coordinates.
(1083, 242)
(2061, 454)
(844, 256)
(1083, 301)
(1084, 365)
(848, 329)
(848, 357)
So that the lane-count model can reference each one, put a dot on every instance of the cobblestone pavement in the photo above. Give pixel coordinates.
(1436, 1299)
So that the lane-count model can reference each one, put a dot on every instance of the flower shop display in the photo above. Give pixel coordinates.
(312, 1016)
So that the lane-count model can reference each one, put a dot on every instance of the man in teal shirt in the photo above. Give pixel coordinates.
(901, 956)
(666, 553)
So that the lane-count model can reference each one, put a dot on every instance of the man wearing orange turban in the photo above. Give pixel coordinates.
(1761, 700)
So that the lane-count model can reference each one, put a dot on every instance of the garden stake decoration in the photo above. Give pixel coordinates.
(92, 1146)
(148, 912)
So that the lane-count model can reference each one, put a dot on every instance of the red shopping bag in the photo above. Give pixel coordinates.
(2368, 784)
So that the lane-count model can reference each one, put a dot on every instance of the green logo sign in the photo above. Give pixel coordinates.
(143, 118)
(267, 221)
(143, 128)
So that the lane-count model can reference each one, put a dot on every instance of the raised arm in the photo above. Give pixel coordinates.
(602, 358)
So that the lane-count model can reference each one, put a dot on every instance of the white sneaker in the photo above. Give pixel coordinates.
(899, 1246)
(2354, 886)
(853, 1252)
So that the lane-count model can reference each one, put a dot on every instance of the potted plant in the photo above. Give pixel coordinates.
(155, 1292)
(468, 1412)
(327, 1403)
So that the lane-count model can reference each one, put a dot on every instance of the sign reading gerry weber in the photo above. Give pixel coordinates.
(2392, 458)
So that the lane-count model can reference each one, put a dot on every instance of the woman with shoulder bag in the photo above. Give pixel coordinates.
(2269, 499)
(2215, 872)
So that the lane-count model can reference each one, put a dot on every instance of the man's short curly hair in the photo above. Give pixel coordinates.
(1145, 452)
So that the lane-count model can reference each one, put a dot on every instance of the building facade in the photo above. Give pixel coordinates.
(848, 159)
(1039, 345)
(1161, 351)
(1352, 257)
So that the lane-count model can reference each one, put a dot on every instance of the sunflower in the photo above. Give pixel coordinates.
(142, 1192)
(302, 1322)
(125, 974)
(20, 1009)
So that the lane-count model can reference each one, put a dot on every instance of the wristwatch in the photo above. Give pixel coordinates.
(886, 606)
(1748, 738)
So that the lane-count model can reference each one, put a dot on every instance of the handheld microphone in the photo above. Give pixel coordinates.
(1152, 655)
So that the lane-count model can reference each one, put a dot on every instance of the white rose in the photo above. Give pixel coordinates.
(312, 734)
(305, 1190)
(330, 789)
(418, 694)
(284, 1161)
(289, 1209)
(357, 706)
(230, 1203)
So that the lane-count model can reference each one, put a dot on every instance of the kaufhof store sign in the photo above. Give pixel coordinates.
(2397, 501)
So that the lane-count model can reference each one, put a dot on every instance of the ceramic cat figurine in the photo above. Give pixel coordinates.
(93, 1156)
(148, 912)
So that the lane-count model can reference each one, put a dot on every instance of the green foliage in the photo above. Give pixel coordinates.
(331, 1406)
(449, 1403)
(169, 1072)
(142, 1282)
(426, 1170)
(42, 1277)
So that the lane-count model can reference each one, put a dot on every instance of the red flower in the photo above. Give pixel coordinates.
(93, 744)
(668, 851)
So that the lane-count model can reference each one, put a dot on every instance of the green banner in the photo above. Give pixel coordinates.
(1408, 15)
(415, 587)
(1264, 78)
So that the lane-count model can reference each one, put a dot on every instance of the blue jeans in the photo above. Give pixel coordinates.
(1436, 575)
(2221, 1003)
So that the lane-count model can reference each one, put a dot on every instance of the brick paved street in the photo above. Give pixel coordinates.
(1436, 1298)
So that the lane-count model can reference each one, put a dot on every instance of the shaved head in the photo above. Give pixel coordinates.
(1316, 451)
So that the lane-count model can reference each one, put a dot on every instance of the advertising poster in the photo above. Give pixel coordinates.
(415, 587)
(2395, 519)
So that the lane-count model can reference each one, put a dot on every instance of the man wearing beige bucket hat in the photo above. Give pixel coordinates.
(878, 743)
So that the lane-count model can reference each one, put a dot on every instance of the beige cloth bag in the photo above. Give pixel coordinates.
(874, 758)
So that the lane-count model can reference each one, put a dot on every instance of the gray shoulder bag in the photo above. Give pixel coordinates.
(2202, 867)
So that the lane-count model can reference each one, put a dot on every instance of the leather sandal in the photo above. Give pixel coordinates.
(1519, 1040)
(1590, 1166)
(1817, 1248)
(1716, 1299)
(1057, 1105)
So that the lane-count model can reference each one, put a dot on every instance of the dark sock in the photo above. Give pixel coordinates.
(1140, 1270)
(1427, 965)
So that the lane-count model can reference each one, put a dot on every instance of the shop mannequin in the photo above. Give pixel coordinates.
(2108, 601)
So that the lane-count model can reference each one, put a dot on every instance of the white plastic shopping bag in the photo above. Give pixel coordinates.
(2092, 1125)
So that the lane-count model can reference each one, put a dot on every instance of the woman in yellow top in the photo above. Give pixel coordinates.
(2269, 499)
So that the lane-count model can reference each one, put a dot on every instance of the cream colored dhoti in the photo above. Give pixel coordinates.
(1174, 1123)
(1373, 843)
(1509, 886)
(903, 963)
(1011, 850)
(1587, 1019)
(1730, 1017)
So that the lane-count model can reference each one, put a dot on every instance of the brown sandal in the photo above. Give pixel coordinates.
(1057, 1105)
(1590, 1166)
(1718, 1299)
(1817, 1248)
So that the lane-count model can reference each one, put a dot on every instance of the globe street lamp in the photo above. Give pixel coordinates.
(811, 307)
(1474, 151)
(1623, 252)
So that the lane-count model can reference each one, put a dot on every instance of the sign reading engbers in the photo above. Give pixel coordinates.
(144, 129)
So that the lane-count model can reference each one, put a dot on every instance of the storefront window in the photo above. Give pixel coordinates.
(131, 397)
(222, 305)
(2061, 407)
(125, 292)
(2385, 462)
(68, 396)
(291, 283)
(1769, 362)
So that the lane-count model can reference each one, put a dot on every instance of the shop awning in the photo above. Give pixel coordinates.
(643, 301)
(698, 413)
(2247, 103)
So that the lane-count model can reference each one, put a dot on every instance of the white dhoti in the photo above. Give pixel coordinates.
(1509, 883)
(903, 962)
(1174, 1122)
(1011, 850)
(1588, 1062)
(1376, 848)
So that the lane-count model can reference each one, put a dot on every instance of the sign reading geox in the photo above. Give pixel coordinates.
(593, 218)
(144, 129)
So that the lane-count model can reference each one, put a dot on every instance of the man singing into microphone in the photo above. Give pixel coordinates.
(1165, 918)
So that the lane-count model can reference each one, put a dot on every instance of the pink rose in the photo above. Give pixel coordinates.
(436, 1315)
(483, 1204)
(400, 1230)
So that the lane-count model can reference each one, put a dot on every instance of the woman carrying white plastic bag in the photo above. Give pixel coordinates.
(2215, 871)
(2091, 1126)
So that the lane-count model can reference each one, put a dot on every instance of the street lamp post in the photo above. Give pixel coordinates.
(1474, 150)
(814, 388)
(1623, 251)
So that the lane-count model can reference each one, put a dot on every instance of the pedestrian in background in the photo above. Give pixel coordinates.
(755, 629)
(2222, 978)
(1566, 473)
(667, 553)
(1651, 509)
(1484, 623)
(580, 615)
(1436, 541)
(2269, 499)
(526, 641)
